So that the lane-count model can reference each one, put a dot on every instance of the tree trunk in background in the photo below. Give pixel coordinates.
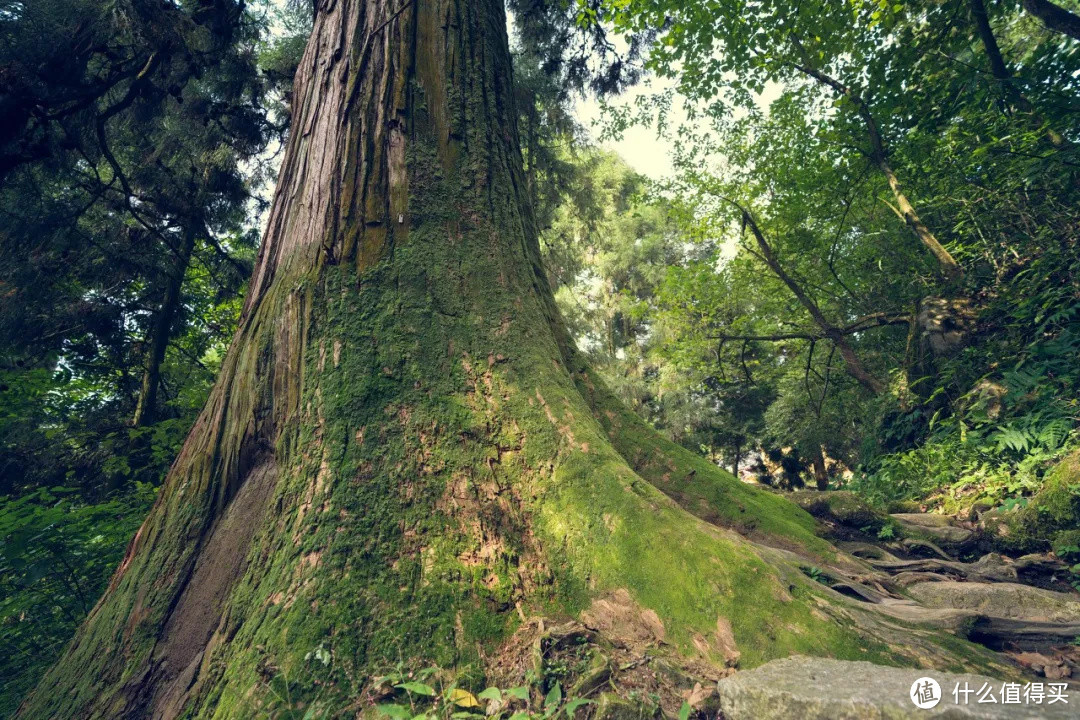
(1055, 17)
(852, 362)
(908, 214)
(403, 455)
(879, 154)
(160, 332)
(821, 475)
(1000, 70)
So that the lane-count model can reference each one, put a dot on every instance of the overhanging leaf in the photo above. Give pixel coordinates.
(417, 688)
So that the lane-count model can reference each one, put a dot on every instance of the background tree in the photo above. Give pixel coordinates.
(985, 134)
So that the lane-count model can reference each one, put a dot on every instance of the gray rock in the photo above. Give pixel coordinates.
(823, 689)
(1007, 600)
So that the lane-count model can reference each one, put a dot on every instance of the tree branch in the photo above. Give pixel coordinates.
(1055, 17)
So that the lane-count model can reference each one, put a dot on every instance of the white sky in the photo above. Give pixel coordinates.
(640, 147)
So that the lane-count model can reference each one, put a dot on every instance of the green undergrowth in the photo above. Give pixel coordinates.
(954, 475)
(55, 559)
(410, 697)
(988, 426)
(1051, 519)
(845, 513)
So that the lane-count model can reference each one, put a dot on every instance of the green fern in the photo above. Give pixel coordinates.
(1010, 438)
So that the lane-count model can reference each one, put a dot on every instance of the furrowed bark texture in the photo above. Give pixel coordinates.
(404, 454)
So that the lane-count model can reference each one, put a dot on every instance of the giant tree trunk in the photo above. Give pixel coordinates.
(403, 455)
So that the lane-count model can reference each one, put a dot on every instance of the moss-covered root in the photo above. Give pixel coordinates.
(843, 515)
(702, 488)
(442, 479)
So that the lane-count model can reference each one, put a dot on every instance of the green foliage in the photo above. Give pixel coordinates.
(608, 248)
(432, 693)
(280, 52)
(131, 129)
(1049, 518)
(458, 704)
(1013, 406)
(805, 103)
(132, 160)
(56, 555)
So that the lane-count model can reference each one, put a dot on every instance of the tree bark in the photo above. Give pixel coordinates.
(1055, 17)
(998, 68)
(160, 333)
(404, 455)
(821, 475)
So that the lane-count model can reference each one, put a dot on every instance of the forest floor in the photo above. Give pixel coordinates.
(951, 573)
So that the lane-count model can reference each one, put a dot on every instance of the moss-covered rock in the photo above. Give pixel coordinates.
(937, 528)
(827, 689)
(1067, 544)
(1049, 518)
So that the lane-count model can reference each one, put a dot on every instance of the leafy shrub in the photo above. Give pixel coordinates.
(55, 559)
